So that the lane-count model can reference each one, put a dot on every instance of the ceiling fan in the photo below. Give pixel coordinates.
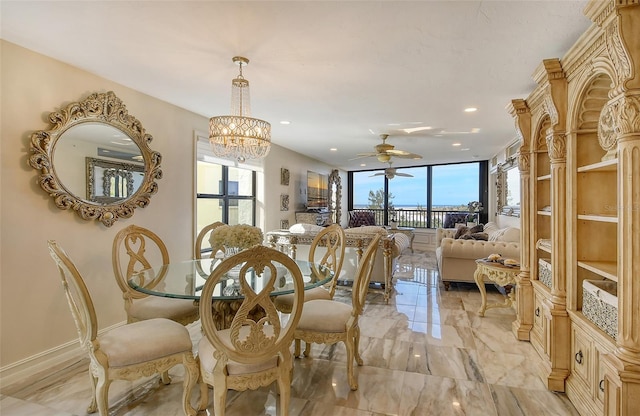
(385, 151)
(391, 173)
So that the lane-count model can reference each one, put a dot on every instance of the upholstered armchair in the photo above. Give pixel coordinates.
(361, 218)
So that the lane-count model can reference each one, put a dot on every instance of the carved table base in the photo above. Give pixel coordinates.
(501, 275)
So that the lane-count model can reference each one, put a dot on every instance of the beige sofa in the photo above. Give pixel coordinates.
(456, 257)
(297, 239)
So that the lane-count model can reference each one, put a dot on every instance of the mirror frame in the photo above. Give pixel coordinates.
(94, 188)
(103, 108)
(501, 188)
(335, 196)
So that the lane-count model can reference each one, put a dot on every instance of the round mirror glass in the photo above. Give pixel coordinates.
(98, 163)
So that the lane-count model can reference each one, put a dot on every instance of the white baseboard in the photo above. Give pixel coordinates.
(43, 361)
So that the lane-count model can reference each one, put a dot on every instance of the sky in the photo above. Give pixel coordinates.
(454, 184)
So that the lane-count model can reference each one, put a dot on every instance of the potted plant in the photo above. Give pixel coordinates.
(472, 217)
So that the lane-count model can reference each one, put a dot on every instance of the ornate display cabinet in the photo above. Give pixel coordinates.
(586, 108)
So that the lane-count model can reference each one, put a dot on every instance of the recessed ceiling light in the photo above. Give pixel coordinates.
(470, 110)
(285, 122)
(475, 130)
(334, 149)
(363, 164)
(456, 144)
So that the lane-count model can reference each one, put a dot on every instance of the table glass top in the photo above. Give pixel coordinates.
(185, 280)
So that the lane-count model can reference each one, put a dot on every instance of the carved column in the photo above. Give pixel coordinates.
(620, 124)
(622, 381)
(521, 327)
(559, 323)
(550, 76)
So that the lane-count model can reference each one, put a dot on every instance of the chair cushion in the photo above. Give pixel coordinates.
(302, 228)
(311, 294)
(144, 341)
(159, 307)
(367, 229)
(208, 362)
(324, 316)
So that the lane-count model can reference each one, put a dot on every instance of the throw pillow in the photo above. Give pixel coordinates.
(476, 229)
(490, 227)
(461, 231)
(480, 236)
(511, 235)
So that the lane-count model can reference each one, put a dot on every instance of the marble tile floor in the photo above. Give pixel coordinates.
(427, 352)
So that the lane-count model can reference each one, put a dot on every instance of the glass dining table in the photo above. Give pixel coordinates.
(185, 280)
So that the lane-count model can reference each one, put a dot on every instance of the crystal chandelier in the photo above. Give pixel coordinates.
(239, 136)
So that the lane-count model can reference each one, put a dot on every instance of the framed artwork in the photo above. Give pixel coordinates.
(284, 202)
(284, 176)
(284, 224)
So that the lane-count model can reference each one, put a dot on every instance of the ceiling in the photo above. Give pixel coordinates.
(341, 72)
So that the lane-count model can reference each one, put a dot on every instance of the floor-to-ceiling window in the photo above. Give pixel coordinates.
(419, 196)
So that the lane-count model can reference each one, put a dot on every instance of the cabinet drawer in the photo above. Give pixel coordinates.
(580, 355)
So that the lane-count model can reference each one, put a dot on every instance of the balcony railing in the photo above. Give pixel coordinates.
(414, 218)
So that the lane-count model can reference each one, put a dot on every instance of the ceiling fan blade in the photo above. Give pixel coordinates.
(409, 156)
(361, 156)
(394, 152)
(376, 174)
(404, 174)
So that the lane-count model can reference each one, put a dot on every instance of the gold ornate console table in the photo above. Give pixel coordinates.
(501, 275)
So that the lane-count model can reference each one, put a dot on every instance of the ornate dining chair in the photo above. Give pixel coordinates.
(141, 248)
(201, 237)
(330, 321)
(333, 238)
(127, 352)
(254, 350)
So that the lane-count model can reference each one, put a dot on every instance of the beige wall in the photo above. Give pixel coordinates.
(34, 318)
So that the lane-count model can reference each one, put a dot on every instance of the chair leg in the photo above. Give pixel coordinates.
(284, 387)
(102, 395)
(164, 378)
(190, 379)
(307, 349)
(356, 345)
(204, 395)
(219, 400)
(93, 406)
(296, 352)
(353, 383)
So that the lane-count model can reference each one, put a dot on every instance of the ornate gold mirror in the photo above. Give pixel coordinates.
(508, 187)
(335, 196)
(95, 159)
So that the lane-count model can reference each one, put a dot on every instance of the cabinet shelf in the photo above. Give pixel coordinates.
(605, 166)
(600, 218)
(606, 269)
(546, 249)
(544, 177)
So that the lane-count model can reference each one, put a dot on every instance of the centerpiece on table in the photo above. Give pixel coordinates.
(232, 239)
(473, 207)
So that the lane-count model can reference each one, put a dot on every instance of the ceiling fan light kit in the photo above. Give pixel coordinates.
(385, 151)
